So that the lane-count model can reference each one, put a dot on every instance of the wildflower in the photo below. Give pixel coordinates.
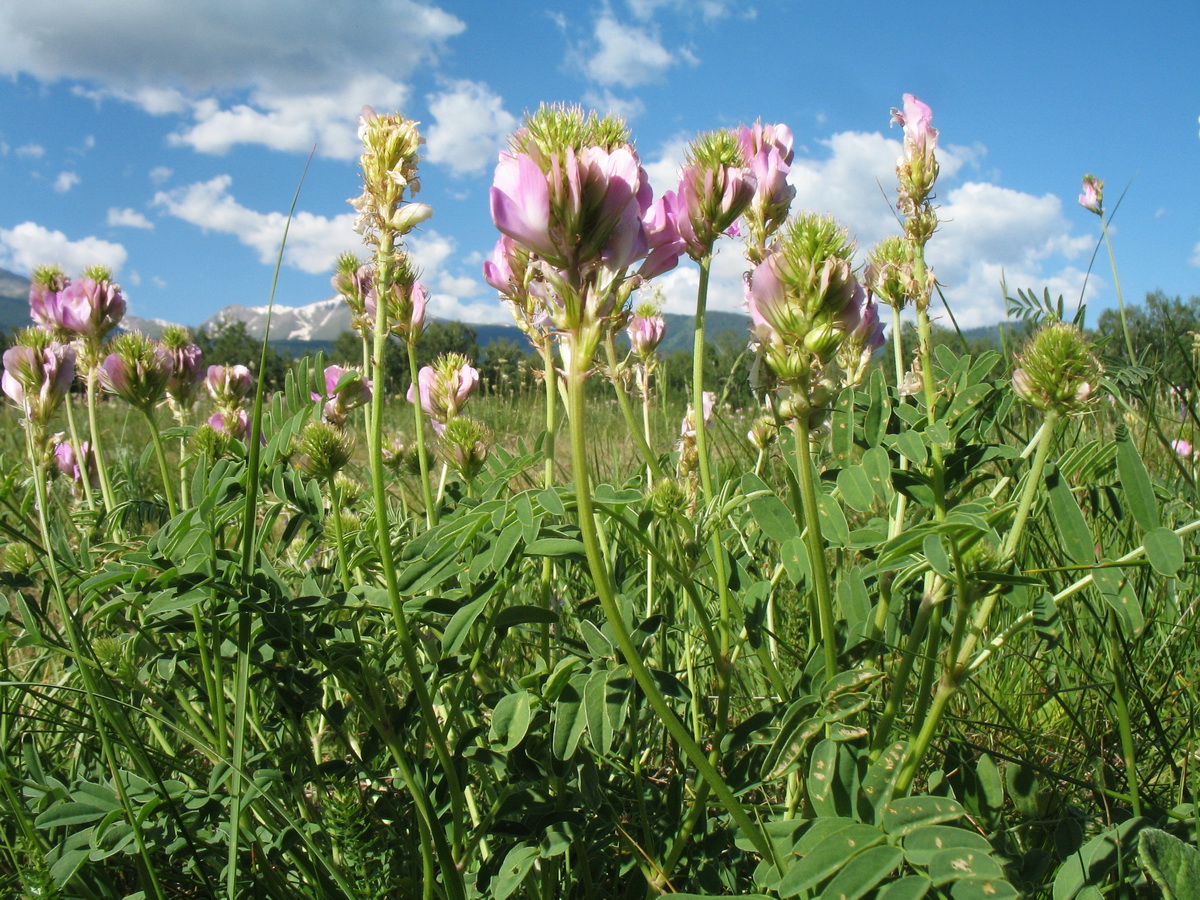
(444, 388)
(888, 272)
(137, 370)
(917, 168)
(44, 287)
(863, 338)
(354, 282)
(233, 423)
(323, 450)
(90, 307)
(187, 367)
(345, 389)
(228, 385)
(37, 375)
(389, 173)
(1182, 448)
(716, 186)
(465, 444)
(768, 150)
(687, 428)
(68, 462)
(763, 432)
(1092, 198)
(1057, 371)
(645, 330)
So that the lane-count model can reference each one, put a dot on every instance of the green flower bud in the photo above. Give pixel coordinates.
(1058, 370)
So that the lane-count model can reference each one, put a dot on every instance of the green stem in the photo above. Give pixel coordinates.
(418, 424)
(76, 445)
(958, 669)
(815, 544)
(639, 440)
(83, 665)
(616, 620)
(163, 470)
(1117, 287)
(335, 507)
(105, 485)
(412, 663)
(1124, 725)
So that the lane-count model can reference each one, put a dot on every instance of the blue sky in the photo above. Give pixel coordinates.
(166, 139)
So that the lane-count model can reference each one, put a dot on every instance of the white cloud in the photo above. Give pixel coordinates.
(710, 10)
(470, 126)
(292, 122)
(128, 218)
(243, 72)
(626, 55)
(65, 181)
(200, 46)
(453, 292)
(986, 232)
(159, 174)
(313, 242)
(608, 103)
(28, 245)
(30, 151)
(1194, 260)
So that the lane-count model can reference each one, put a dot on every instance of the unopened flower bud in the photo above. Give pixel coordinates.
(323, 450)
(137, 370)
(1058, 370)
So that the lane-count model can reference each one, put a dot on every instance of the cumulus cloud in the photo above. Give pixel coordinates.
(626, 55)
(292, 123)
(710, 10)
(30, 151)
(470, 125)
(244, 72)
(65, 181)
(159, 174)
(201, 46)
(128, 218)
(987, 231)
(28, 245)
(608, 103)
(313, 242)
(454, 293)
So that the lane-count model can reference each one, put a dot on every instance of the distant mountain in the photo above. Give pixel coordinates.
(14, 301)
(320, 321)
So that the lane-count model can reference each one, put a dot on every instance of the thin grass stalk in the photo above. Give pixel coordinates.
(83, 665)
(635, 432)
(1121, 700)
(106, 490)
(77, 447)
(431, 508)
(163, 470)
